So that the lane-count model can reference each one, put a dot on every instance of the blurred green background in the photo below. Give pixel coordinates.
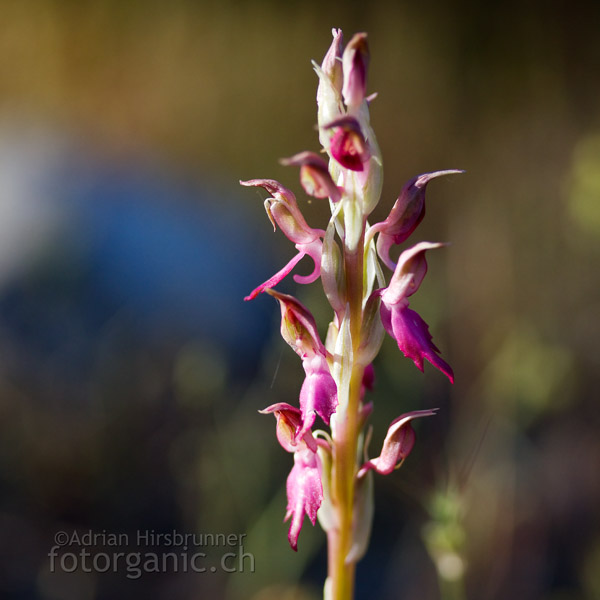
(131, 370)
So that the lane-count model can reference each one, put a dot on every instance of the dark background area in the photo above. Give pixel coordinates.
(131, 371)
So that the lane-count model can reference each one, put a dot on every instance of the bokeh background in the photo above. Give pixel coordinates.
(131, 371)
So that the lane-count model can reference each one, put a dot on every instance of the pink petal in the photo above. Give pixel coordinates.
(412, 336)
(397, 445)
(314, 250)
(273, 281)
(318, 394)
(409, 273)
(289, 420)
(355, 63)
(272, 186)
(304, 493)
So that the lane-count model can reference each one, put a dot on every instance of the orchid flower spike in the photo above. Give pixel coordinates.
(332, 476)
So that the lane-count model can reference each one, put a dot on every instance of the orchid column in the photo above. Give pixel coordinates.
(331, 476)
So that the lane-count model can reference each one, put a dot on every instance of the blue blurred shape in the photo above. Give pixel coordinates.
(123, 238)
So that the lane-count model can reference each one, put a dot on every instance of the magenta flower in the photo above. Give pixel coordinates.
(406, 214)
(403, 324)
(304, 488)
(289, 422)
(397, 445)
(282, 209)
(304, 492)
(319, 392)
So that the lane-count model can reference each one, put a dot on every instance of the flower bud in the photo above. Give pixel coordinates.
(298, 326)
(332, 61)
(355, 63)
(329, 92)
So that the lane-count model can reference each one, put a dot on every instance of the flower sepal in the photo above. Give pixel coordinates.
(406, 214)
(397, 445)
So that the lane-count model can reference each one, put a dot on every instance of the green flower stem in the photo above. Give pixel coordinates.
(344, 465)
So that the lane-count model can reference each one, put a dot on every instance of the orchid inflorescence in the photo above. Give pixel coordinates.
(331, 475)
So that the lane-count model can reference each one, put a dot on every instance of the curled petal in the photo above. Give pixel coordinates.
(412, 336)
(397, 445)
(289, 420)
(272, 186)
(348, 145)
(314, 250)
(384, 245)
(304, 493)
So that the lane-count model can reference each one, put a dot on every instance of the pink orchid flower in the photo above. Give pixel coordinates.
(304, 488)
(403, 324)
(397, 445)
(319, 391)
(406, 214)
(282, 209)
